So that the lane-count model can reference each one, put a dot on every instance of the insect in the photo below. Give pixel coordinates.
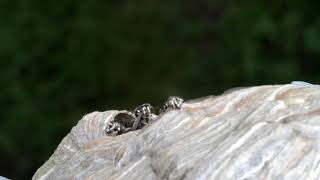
(122, 123)
(144, 114)
(140, 117)
(173, 102)
(114, 128)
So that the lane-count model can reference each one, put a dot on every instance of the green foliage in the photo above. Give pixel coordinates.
(61, 60)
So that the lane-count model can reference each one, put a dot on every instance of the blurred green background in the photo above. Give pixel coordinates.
(62, 59)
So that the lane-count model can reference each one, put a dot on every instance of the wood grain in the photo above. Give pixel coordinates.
(265, 132)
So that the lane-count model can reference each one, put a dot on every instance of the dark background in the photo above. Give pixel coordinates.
(62, 59)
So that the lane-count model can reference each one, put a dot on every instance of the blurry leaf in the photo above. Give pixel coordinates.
(312, 39)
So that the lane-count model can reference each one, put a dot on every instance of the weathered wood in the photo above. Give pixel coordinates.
(266, 132)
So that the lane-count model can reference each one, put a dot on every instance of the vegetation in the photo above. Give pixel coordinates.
(63, 59)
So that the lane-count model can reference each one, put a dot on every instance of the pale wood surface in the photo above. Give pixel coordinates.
(265, 132)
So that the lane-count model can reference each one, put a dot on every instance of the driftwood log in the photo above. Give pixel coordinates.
(265, 132)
